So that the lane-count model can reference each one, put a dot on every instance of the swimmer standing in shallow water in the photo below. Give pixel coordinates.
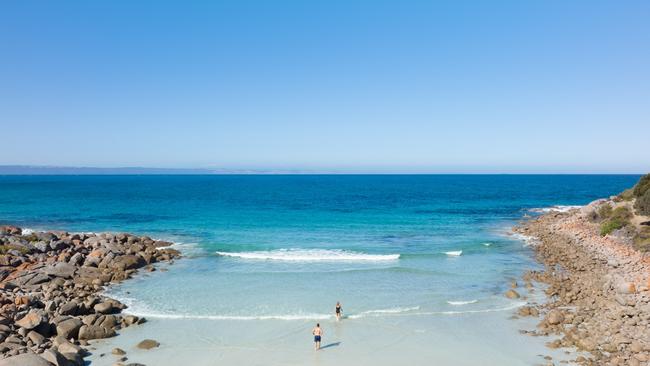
(339, 311)
(317, 332)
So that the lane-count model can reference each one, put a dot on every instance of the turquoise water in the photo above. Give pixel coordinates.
(289, 247)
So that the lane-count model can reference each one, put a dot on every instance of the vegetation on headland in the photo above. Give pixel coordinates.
(613, 219)
(642, 203)
(639, 195)
(642, 186)
(642, 239)
(626, 211)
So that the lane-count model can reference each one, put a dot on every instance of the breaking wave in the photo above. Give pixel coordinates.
(383, 311)
(366, 314)
(142, 310)
(458, 303)
(454, 253)
(558, 208)
(310, 255)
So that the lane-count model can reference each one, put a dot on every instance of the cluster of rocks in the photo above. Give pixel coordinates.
(50, 291)
(598, 290)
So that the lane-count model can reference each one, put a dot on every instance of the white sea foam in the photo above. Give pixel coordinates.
(506, 308)
(27, 231)
(155, 315)
(454, 253)
(412, 311)
(188, 249)
(142, 310)
(458, 303)
(557, 208)
(311, 255)
(379, 312)
(527, 239)
(486, 244)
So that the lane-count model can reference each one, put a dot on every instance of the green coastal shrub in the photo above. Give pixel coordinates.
(617, 219)
(642, 186)
(642, 204)
(626, 195)
(604, 212)
(642, 240)
(610, 225)
(622, 213)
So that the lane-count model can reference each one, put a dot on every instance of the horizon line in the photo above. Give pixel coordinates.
(17, 170)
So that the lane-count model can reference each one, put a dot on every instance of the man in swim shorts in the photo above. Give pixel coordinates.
(317, 332)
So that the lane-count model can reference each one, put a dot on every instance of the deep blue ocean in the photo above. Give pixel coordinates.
(290, 246)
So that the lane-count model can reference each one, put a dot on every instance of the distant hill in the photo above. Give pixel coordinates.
(56, 170)
(53, 170)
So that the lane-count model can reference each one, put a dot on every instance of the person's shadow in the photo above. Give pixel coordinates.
(335, 344)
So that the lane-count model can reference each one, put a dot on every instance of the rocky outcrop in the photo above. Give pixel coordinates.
(51, 286)
(597, 286)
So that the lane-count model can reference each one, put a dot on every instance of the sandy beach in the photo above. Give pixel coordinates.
(381, 341)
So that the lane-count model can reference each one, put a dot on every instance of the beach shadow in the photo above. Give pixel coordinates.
(335, 344)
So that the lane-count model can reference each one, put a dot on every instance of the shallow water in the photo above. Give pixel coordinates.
(267, 256)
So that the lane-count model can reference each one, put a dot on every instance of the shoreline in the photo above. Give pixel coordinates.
(598, 288)
(579, 307)
(53, 286)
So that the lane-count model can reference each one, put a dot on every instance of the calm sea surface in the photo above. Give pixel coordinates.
(289, 247)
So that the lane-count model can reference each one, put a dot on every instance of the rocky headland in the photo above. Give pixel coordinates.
(597, 277)
(51, 285)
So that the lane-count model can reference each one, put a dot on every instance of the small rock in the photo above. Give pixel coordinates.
(95, 332)
(69, 308)
(105, 307)
(36, 338)
(26, 359)
(74, 359)
(31, 320)
(64, 346)
(69, 328)
(636, 347)
(641, 357)
(554, 317)
(512, 294)
(130, 320)
(148, 344)
(63, 270)
(625, 288)
(586, 344)
(55, 357)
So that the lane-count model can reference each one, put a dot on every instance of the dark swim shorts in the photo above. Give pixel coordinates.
(316, 338)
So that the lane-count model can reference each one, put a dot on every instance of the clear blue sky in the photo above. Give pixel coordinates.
(399, 86)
